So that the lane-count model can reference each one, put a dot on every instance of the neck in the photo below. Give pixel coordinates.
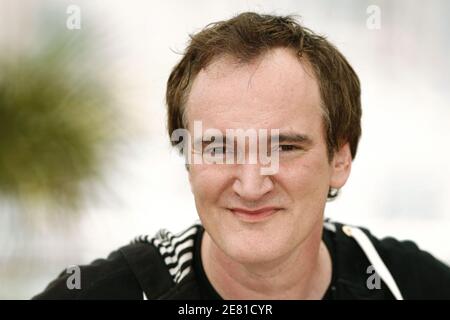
(303, 273)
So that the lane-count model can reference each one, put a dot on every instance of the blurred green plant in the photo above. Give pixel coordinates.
(56, 122)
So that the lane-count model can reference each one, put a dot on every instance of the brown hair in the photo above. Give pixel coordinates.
(248, 36)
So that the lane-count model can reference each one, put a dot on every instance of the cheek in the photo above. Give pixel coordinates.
(305, 176)
(207, 184)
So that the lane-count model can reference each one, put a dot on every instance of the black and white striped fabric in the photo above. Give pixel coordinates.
(177, 250)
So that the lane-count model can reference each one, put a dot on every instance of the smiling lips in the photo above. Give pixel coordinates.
(254, 215)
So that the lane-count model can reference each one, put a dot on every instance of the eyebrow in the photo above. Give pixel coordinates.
(282, 138)
(295, 138)
(205, 142)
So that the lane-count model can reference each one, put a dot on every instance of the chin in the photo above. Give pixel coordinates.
(253, 250)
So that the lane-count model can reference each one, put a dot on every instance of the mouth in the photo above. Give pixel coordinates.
(254, 215)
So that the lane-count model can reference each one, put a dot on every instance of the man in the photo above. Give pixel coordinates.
(262, 234)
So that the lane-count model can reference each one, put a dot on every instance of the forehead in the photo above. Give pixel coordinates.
(274, 91)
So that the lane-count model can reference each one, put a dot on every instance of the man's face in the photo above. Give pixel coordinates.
(274, 92)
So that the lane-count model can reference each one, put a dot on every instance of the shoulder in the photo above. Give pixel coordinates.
(109, 278)
(418, 272)
(419, 275)
(153, 265)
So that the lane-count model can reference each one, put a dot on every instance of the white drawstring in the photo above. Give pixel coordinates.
(366, 245)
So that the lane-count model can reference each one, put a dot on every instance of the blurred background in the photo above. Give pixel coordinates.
(85, 162)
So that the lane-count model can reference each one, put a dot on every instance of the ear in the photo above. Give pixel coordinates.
(341, 166)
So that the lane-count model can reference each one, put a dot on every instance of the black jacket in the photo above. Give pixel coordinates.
(169, 266)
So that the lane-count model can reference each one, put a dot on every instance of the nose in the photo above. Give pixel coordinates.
(250, 184)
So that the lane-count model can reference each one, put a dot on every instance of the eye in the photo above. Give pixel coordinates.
(218, 150)
(288, 147)
(213, 150)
